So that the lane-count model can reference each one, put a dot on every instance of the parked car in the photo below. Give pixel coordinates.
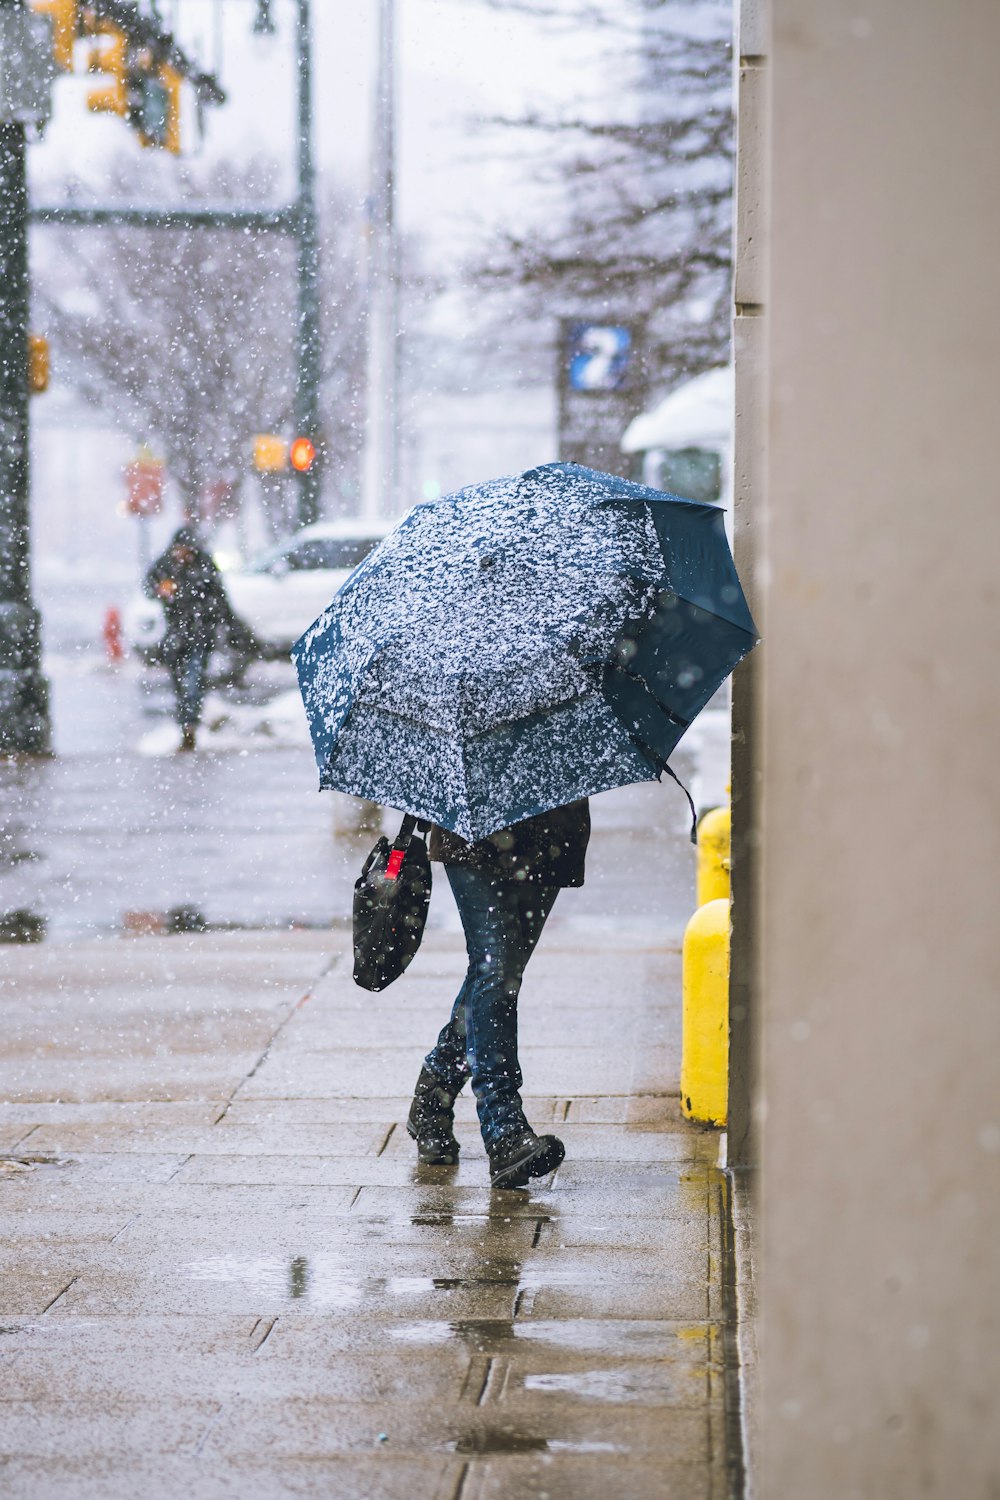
(684, 444)
(281, 591)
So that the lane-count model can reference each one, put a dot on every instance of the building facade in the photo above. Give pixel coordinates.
(865, 1016)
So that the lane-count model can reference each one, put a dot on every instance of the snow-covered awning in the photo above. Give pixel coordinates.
(697, 413)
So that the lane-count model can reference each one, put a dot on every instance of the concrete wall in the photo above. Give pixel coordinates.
(749, 489)
(879, 576)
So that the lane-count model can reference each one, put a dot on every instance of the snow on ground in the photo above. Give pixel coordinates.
(228, 727)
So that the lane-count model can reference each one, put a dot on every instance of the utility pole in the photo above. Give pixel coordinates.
(380, 477)
(308, 373)
(25, 88)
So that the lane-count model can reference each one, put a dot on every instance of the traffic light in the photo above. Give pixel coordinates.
(63, 15)
(270, 453)
(111, 57)
(302, 454)
(38, 364)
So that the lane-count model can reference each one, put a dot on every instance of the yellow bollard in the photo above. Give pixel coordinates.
(705, 1039)
(713, 855)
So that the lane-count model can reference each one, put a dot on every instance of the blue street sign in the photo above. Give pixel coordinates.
(598, 356)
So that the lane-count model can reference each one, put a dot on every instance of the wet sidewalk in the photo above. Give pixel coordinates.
(224, 1274)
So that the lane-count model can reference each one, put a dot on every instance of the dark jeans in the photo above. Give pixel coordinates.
(503, 920)
(187, 674)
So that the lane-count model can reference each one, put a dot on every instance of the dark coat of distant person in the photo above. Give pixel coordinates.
(186, 582)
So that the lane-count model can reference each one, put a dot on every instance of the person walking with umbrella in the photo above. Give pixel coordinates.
(505, 887)
(186, 582)
(505, 653)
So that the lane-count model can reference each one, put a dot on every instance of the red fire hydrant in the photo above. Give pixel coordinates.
(112, 632)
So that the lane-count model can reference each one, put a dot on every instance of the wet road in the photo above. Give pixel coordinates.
(115, 830)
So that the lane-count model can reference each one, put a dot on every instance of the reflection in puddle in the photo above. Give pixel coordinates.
(588, 1336)
(12, 1165)
(616, 1386)
(322, 1280)
(408, 1286)
(503, 1440)
(447, 1221)
(479, 1333)
(298, 1276)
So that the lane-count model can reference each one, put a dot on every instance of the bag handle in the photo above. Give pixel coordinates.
(406, 831)
(402, 842)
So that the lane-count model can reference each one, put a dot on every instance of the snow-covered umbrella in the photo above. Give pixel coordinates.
(521, 643)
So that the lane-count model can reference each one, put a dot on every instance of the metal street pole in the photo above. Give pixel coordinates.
(380, 474)
(24, 699)
(308, 374)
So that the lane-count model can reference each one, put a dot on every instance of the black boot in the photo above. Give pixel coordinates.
(515, 1158)
(430, 1122)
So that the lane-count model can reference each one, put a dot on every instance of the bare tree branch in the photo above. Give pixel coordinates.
(635, 196)
(186, 337)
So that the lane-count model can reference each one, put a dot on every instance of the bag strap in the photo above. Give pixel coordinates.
(409, 825)
(694, 816)
(397, 853)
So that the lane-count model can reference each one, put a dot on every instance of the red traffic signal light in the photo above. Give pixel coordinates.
(302, 454)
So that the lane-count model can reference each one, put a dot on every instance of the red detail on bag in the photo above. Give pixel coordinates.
(395, 864)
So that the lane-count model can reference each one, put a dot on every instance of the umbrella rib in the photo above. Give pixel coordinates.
(713, 615)
(677, 718)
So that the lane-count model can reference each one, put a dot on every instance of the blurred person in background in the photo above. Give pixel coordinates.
(186, 581)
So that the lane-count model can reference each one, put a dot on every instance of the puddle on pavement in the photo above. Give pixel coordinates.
(447, 1221)
(616, 1386)
(426, 1332)
(21, 925)
(182, 921)
(583, 1336)
(298, 1277)
(503, 1440)
(324, 1281)
(11, 1166)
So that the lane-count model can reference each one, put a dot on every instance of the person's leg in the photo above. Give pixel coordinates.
(517, 1157)
(503, 921)
(446, 1060)
(195, 666)
(535, 902)
(432, 1114)
(491, 922)
(175, 666)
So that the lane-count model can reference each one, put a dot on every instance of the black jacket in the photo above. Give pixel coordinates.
(547, 850)
(185, 580)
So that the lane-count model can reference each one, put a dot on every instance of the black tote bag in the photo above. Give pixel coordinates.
(390, 906)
